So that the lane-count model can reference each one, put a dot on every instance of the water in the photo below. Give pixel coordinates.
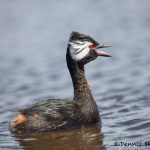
(33, 39)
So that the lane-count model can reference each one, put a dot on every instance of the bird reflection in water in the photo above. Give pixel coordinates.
(83, 138)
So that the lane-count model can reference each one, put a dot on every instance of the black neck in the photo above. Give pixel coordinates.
(82, 93)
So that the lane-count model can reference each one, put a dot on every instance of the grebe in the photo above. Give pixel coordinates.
(62, 113)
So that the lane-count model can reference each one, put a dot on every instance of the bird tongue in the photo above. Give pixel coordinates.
(101, 53)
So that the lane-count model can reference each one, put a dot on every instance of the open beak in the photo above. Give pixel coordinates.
(101, 53)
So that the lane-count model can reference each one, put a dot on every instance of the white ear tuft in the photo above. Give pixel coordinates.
(79, 49)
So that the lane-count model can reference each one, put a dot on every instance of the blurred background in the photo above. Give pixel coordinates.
(33, 41)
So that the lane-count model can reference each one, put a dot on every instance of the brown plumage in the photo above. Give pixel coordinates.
(57, 113)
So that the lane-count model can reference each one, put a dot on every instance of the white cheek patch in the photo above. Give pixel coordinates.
(80, 55)
(79, 50)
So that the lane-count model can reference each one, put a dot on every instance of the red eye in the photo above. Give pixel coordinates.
(91, 46)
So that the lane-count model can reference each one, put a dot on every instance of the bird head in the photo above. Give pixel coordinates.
(83, 48)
